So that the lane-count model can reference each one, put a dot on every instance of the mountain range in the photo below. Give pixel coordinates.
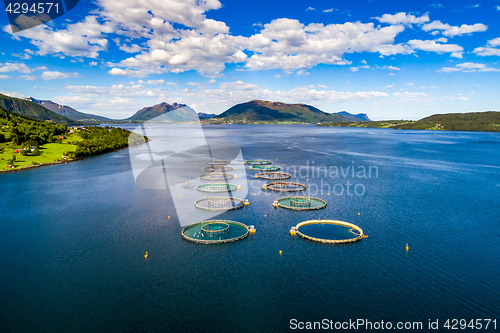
(68, 111)
(252, 111)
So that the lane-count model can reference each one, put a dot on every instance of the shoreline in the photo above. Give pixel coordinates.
(76, 159)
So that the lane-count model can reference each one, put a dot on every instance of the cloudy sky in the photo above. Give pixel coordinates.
(389, 59)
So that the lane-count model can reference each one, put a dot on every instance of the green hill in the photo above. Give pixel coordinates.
(32, 110)
(488, 121)
(257, 111)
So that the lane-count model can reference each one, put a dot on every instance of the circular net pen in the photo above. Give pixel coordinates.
(273, 175)
(219, 203)
(219, 168)
(217, 187)
(215, 232)
(218, 162)
(329, 231)
(258, 162)
(217, 176)
(301, 203)
(281, 186)
(266, 168)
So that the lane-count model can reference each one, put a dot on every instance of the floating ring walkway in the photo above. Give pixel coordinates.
(266, 168)
(358, 232)
(215, 232)
(219, 203)
(282, 186)
(301, 203)
(218, 187)
(219, 168)
(273, 175)
(258, 162)
(218, 162)
(217, 176)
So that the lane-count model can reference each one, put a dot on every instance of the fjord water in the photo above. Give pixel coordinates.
(73, 238)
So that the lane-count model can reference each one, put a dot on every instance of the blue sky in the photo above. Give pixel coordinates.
(389, 59)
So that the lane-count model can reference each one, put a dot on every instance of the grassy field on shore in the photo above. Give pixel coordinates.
(49, 152)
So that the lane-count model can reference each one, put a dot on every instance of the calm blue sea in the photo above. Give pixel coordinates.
(73, 238)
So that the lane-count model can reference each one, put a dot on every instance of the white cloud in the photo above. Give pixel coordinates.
(497, 7)
(436, 5)
(392, 68)
(389, 86)
(5, 77)
(24, 56)
(83, 39)
(328, 10)
(53, 75)
(11, 94)
(93, 63)
(402, 18)
(468, 67)
(28, 77)
(435, 46)
(490, 49)
(409, 84)
(153, 82)
(123, 72)
(436, 27)
(310, 8)
(9, 67)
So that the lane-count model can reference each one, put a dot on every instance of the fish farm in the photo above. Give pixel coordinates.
(282, 186)
(215, 232)
(218, 187)
(225, 231)
(273, 175)
(265, 168)
(217, 176)
(329, 231)
(218, 162)
(219, 203)
(219, 168)
(258, 162)
(301, 203)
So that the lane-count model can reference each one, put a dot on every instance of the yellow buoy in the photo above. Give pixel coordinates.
(179, 195)
(146, 255)
(407, 247)
(308, 180)
(231, 162)
(254, 194)
(196, 160)
(281, 252)
(328, 194)
(169, 217)
(265, 215)
(359, 213)
(276, 159)
(250, 168)
(186, 181)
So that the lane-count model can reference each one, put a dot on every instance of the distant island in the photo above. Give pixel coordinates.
(488, 121)
(27, 143)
